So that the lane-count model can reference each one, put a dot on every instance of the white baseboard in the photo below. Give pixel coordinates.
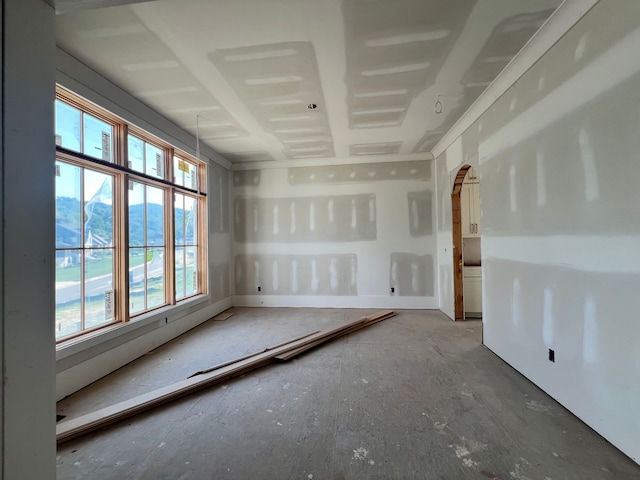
(369, 301)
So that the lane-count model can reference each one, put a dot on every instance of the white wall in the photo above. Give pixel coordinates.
(559, 169)
(27, 295)
(81, 362)
(354, 222)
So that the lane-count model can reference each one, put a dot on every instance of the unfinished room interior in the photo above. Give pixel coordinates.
(320, 239)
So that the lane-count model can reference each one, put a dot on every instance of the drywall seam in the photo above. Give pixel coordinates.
(574, 92)
(86, 82)
(325, 162)
(565, 17)
(579, 252)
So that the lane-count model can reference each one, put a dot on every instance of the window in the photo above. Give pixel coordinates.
(129, 224)
(145, 157)
(147, 269)
(81, 132)
(84, 248)
(186, 245)
(185, 173)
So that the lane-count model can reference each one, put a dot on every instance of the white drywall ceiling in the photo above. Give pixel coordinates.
(240, 74)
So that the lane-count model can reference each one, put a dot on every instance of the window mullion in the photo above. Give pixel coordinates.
(121, 246)
(201, 237)
(145, 239)
(170, 264)
(122, 146)
(82, 254)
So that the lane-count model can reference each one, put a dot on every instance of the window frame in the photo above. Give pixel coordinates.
(70, 160)
(118, 167)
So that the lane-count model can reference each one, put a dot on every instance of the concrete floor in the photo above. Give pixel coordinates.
(413, 397)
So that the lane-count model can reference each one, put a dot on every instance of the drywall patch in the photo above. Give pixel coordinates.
(516, 309)
(246, 178)
(420, 217)
(337, 218)
(219, 207)
(389, 148)
(220, 282)
(412, 275)
(590, 338)
(428, 141)
(506, 39)
(275, 82)
(419, 170)
(296, 274)
(249, 157)
(541, 187)
(161, 79)
(547, 317)
(587, 155)
(383, 51)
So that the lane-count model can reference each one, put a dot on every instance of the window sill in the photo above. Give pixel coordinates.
(160, 317)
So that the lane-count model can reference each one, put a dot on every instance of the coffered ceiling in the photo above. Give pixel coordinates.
(286, 81)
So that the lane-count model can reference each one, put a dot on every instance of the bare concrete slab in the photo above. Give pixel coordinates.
(416, 396)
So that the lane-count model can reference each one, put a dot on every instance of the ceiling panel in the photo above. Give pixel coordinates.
(280, 85)
(240, 75)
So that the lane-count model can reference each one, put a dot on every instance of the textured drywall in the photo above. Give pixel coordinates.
(558, 167)
(344, 232)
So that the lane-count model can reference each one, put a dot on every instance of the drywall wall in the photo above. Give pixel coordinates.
(558, 167)
(83, 361)
(27, 294)
(341, 235)
(444, 236)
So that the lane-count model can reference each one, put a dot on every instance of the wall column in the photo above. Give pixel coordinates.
(27, 344)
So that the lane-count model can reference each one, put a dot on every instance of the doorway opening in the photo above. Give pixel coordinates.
(467, 276)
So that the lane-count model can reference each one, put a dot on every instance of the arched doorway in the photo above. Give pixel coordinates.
(466, 235)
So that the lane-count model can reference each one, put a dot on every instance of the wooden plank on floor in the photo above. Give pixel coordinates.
(224, 315)
(292, 353)
(84, 424)
(216, 367)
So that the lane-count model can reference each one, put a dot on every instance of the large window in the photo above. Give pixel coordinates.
(129, 221)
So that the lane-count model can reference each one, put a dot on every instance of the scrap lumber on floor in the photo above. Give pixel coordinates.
(221, 365)
(84, 424)
(224, 315)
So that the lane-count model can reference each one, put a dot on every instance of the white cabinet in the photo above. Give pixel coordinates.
(472, 292)
(470, 206)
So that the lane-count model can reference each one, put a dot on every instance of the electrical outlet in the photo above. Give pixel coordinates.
(552, 356)
(259, 288)
(393, 289)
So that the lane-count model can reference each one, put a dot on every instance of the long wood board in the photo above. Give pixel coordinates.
(216, 367)
(297, 351)
(84, 424)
